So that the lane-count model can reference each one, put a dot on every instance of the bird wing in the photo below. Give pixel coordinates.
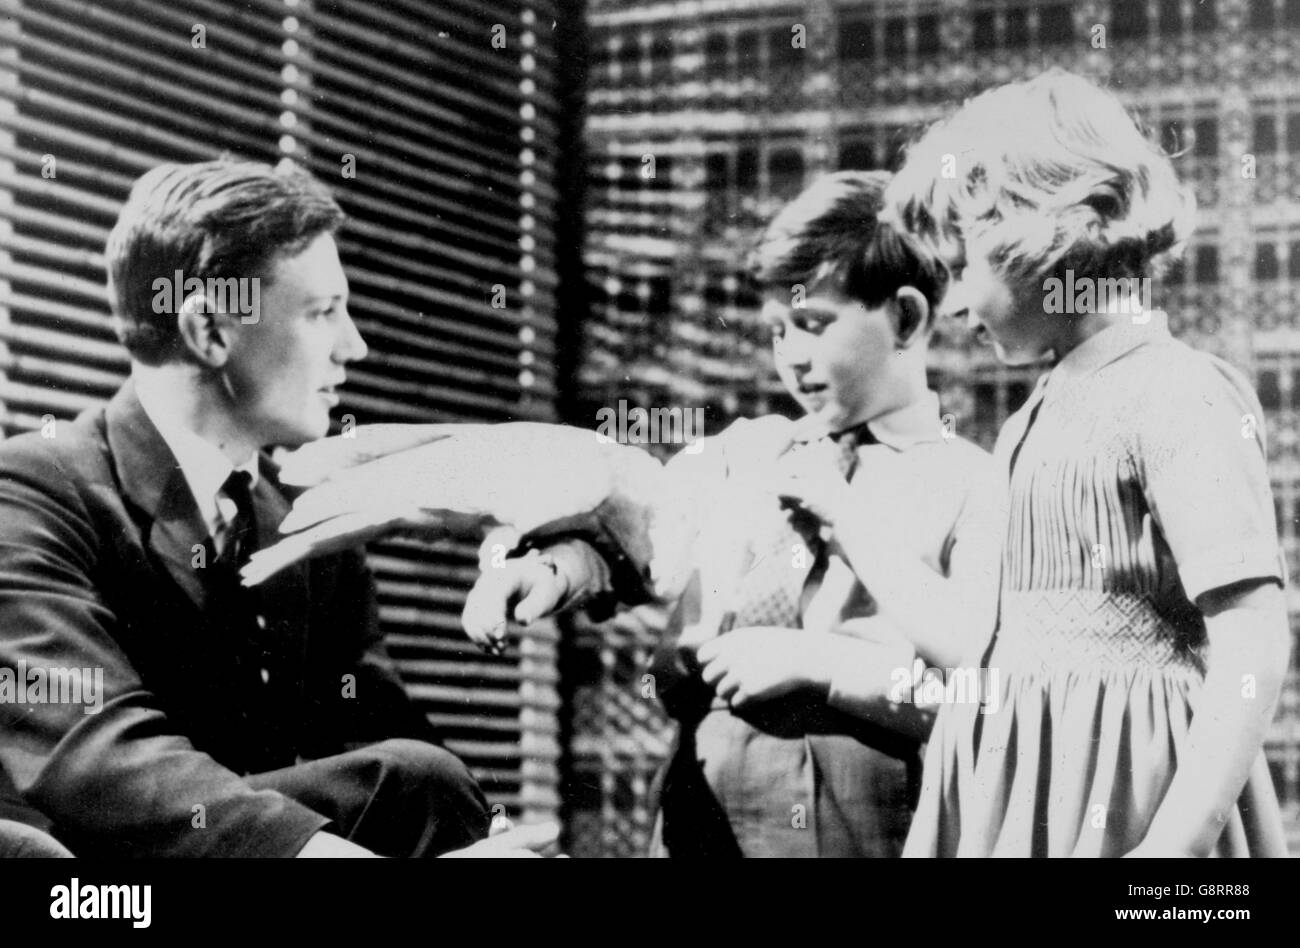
(447, 479)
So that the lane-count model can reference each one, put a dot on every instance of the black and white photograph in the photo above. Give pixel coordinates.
(650, 428)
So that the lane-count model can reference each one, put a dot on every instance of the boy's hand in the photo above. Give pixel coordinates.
(758, 663)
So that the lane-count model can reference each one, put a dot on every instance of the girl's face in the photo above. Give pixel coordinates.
(1012, 317)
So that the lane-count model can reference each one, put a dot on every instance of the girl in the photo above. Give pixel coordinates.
(1142, 635)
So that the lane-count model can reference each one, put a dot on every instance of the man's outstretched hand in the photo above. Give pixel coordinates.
(523, 589)
(529, 587)
(505, 841)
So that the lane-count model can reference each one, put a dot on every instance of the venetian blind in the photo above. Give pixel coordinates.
(434, 126)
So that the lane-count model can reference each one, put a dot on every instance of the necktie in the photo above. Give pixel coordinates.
(241, 542)
(241, 533)
(787, 554)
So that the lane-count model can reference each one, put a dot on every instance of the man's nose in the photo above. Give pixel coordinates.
(351, 347)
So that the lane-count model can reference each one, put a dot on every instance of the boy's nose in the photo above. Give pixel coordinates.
(793, 349)
(797, 363)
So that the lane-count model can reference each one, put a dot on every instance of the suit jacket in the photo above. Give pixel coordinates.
(105, 563)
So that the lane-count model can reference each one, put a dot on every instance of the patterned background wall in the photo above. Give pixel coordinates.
(734, 116)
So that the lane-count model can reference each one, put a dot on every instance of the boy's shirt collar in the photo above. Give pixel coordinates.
(914, 423)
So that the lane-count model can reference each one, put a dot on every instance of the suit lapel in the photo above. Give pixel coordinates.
(152, 480)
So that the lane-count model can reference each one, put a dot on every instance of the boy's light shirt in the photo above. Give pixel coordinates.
(947, 495)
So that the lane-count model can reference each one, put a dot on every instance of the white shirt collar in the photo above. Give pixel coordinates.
(901, 428)
(203, 465)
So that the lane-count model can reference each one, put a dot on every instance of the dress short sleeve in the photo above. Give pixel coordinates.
(1202, 464)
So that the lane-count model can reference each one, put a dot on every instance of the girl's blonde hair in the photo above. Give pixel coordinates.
(1042, 176)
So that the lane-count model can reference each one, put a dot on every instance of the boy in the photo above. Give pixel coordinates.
(778, 660)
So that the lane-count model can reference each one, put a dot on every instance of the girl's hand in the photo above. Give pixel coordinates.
(811, 481)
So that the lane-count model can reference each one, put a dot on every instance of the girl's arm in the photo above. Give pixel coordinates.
(1200, 454)
(947, 619)
(865, 670)
(1249, 651)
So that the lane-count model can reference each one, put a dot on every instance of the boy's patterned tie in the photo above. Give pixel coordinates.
(770, 593)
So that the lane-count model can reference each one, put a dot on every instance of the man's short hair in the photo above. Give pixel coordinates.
(831, 231)
(210, 220)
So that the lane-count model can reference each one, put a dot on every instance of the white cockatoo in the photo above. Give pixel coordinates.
(455, 479)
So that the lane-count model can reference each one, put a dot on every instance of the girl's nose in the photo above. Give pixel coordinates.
(955, 304)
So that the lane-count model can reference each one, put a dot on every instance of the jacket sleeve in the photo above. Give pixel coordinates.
(112, 773)
(647, 528)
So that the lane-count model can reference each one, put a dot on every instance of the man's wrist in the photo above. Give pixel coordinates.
(579, 569)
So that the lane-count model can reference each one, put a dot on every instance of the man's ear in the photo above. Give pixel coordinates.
(911, 316)
(205, 334)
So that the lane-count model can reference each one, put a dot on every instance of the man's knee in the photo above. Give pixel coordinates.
(427, 767)
(435, 787)
(423, 762)
(19, 840)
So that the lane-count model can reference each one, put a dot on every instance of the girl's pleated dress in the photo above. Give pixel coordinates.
(1137, 481)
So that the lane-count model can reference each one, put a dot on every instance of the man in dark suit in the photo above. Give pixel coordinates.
(209, 719)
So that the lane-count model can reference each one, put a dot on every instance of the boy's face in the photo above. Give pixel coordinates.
(834, 355)
(284, 370)
(1015, 322)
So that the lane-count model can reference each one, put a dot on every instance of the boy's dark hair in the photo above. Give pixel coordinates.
(831, 231)
(210, 220)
